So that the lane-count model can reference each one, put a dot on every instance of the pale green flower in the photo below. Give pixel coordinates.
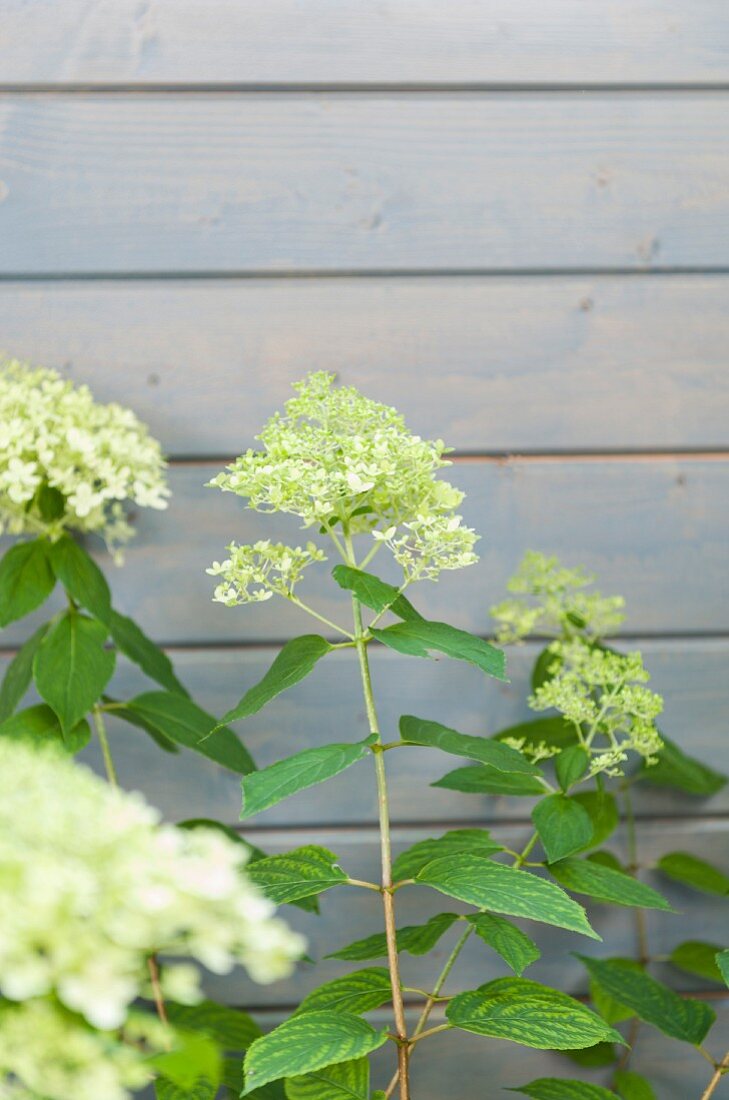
(254, 573)
(68, 462)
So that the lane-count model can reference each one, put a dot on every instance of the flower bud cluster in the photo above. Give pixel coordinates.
(254, 573)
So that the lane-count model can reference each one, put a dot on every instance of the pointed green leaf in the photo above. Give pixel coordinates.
(489, 885)
(722, 961)
(545, 666)
(231, 1028)
(691, 871)
(528, 1013)
(554, 731)
(476, 841)
(164, 1089)
(26, 579)
(51, 502)
(603, 811)
(19, 673)
(584, 876)
(564, 826)
(265, 788)
(81, 577)
(563, 1088)
(514, 946)
(294, 662)
(602, 1054)
(131, 640)
(571, 765)
(297, 874)
(697, 958)
(631, 1086)
(71, 667)
(612, 1011)
(39, 726)
(374, 593)
(605, 859)
(419, 636)
(182, 721)
(192, 1057)
(346, 1081)
(416, 939)
(307, 1043)
(122, 711)
(358, 992)
(684, 773)
(679, 1017)
(420, 731)
(482, 779)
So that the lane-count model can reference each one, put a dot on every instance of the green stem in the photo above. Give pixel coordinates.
(106, 750)
(720, 1070)
(322, 619)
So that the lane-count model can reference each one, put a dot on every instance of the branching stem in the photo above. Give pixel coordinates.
(106, 750)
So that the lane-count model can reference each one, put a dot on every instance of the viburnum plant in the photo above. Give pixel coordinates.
(349, 469)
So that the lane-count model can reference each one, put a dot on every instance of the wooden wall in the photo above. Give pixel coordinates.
(508, 217)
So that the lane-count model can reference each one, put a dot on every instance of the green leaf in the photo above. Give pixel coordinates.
(26, 579)
(684, 773)
(307, 1043)
(420, 731)
(679, 1017)
(514, 946)
(131, 640)
(540, 672)
(294, 662)
(51, 502)
(722, 961)
(692, 871)
(605, 859)
(182, 721)
(71, 668)
(297, 874)
(39, 726)
(81, 577)
(482, 779)
(164, 1089)
(271, 785)
(476, 841)
(612, 1011)
(122, 712)
(374, 593)
(194, 1056)
(554, 731)
(697, 958)
(358, 992)
(564, 826)
(571, 765)
(231, 1028)
(489, 885)
(19, 673)
(603, 811)
(585, 876)
(416, 939)
(631, 1086)
(563, 1088)
(602, 1054)
(419, 636)
(528, 1013)
(346, 1081)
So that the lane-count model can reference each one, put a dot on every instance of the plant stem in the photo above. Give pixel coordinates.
(640, 923)
(322, 618)
(157, 988)
(104, 740)
(719, 1072)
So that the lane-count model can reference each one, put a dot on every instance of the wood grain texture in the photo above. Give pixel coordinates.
(489, 364)
(349, 182)
(401, 41)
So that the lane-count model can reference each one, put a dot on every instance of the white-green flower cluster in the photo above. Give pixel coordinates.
(91, 884)
(68, 462)
(336, 458)
(254, 573)
(553, 600)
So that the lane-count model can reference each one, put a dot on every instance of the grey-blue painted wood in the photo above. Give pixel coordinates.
(494, 364)
(351, 182)
(403, 41)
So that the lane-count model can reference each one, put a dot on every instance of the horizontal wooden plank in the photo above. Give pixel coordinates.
(489, 364)
(349, 182)
(283, 41)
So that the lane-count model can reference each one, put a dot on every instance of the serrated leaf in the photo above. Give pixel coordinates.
(297, 874)
(481, 779)
(26, 579)
(677, 769)
(374, 593)
(293, 663)
(346, 1081)
(265, 788)
(416, 939)
(612, 1011)
(603, 811)
(232, 1029)
(564, 826)
(183, 722)
(421, 731)
(632, 1086)
(192, 1058)
(358, 992)
(19, 673)
(584, 876)
(39, 725)
(516, 948)
(476, 841)
(691, 871)
(419, 636)
(528, 1013)
(679, 1017)
(307, 1043)
(81, 577)
(554, 731)
(489, 885)
(571, 765)
(563, 1088)
(71, 668)
(722, 961)
(131, 640)
(602, 1054)
(697, 958)
(164, 1089)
